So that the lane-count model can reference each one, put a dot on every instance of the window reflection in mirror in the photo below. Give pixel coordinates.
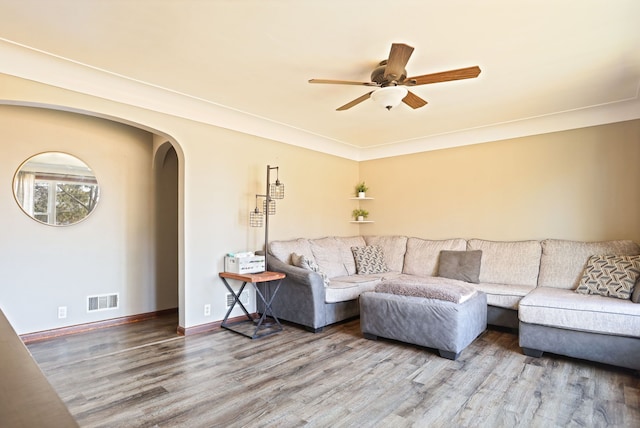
(56, 188)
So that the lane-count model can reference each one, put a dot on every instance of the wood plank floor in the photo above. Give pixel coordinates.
(144, 375)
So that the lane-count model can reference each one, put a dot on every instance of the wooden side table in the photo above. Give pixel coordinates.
(259, 328)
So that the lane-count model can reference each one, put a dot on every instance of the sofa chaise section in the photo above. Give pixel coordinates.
(554, 318)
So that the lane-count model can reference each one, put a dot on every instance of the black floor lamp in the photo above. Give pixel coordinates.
(259, 218)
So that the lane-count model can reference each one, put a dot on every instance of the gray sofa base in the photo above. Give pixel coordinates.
(305, 305)
(502, 317)
(445, 326)
(608, 349)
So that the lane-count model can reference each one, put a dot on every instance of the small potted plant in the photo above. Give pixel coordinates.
(361, 188)
(359, 214)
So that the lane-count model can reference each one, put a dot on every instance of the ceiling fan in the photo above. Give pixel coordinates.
(391, 78)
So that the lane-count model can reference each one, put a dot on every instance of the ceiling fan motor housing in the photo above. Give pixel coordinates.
(377, 75)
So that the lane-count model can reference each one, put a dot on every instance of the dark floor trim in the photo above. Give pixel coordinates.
(79, 328)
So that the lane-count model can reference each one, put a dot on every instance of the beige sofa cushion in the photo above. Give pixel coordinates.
(333, 254)
(556, 307)
(349, 287)
(393, 247)
(563, 262)
(503, 295)
(515, 262)
(282, 250)
(423, 254)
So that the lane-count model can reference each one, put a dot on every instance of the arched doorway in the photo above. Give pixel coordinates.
(166, 219)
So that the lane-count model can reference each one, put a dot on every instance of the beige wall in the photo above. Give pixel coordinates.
(564, 185)
(582, 184)
(112, 251)
(219, 173)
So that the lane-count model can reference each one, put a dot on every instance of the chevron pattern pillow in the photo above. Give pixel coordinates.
(369, 259)
(610, 275)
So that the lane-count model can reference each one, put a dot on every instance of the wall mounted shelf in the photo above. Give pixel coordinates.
(360, 198)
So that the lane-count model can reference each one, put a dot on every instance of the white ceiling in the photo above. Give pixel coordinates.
(547, 65)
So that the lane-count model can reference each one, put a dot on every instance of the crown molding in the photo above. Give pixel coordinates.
(32, 64)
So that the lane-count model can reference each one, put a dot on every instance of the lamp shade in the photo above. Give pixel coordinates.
(271, 205)
(389, 96)
(256, 219)
(277, 190)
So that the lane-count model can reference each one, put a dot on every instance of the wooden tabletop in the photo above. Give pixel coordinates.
(253, 277)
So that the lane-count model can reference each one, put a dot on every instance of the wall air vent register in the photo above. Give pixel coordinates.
(103, 302)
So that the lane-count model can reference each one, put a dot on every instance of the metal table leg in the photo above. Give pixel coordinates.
(261, 329)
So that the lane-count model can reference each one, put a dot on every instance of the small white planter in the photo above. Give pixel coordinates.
(360, 218)
(361, 195)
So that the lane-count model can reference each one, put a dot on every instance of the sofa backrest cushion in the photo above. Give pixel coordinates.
(513, 262)
(423, 254)
(334, 256)
(282, 250)
(563, 262)
(393, 248)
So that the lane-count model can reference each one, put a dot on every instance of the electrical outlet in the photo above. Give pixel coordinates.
(62, 312)
(207, 310)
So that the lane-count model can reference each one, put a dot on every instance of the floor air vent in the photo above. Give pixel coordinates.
(103, 302)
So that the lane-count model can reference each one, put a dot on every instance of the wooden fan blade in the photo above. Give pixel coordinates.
(444, 76)
(355, 102)
(342, 82)
(398, 58)
(413, 101)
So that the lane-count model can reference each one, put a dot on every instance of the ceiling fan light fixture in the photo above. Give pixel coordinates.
(389, 96)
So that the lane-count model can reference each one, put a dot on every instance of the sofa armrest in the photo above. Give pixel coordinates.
(301, 276)
(301, 295)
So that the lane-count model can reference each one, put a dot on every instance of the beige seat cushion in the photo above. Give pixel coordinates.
(343, 288)
(557, 307)
(503, 295)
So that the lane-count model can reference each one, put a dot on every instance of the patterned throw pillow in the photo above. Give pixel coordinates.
(369, 259)
(610, 275)
(303, 262)
(635, 296)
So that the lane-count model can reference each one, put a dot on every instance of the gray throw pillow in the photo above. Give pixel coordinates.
(460, 265)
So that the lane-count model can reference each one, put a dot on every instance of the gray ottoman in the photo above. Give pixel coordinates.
(444, 325)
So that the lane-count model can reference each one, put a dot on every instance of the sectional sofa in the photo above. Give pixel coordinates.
(530, 285)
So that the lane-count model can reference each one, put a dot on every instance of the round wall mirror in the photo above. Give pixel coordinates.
(56, 188)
